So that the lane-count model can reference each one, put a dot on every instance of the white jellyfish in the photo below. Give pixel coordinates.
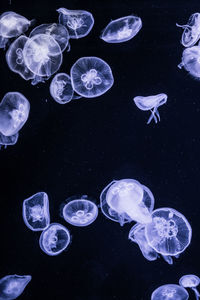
(12, 286)
(151, 103)
(191, 61)
(8, 140)
(170, 292)
(190, 281)
(191, 33)
(61, 88)
(79, 23)
(122, 29)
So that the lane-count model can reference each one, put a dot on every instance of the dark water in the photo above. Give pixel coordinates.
(80, 147)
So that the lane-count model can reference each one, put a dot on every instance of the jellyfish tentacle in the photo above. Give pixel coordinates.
(197, 294)
(184, 26)
(157, 114)
(152, 116)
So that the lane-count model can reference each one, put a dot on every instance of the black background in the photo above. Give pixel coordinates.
(78, 148)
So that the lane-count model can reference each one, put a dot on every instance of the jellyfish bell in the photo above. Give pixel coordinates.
(12, 286)
(191, 61)
(191, 33)
(170, 292)
(190, 281)
(61, 88)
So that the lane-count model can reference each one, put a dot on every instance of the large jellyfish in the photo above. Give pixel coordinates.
(12, 286)
(91, 77)
(78, 22)
(191, 61)
(36, 211)
(8, 140)
(127, 200)
(170, 292)
(61, 88)
(190, 281)
(122, 29)
(191, 33)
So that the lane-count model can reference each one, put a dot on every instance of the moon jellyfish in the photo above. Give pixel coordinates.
(80, 212)
(91, 77)
(122, 29)
(36, 211)
(190, 281)
(151, 103)
(54, 239)
(61, 88)
(191, 61)
(14, 111)
(170, 292)
(8, 140)
(127, 200)
(191, 33)
(78, 22)
(12, 286)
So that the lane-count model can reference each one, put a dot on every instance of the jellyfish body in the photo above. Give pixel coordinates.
(79, 23)
(8, 140)
(12, 286)
(54, 239)
(91, 77)
(191, 61)
(151, 103)
(61, 88)
(190, 281)
(122, 29)
(191, 33)
(170, 292)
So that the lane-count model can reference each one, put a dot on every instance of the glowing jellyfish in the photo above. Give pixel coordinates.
(91, 77)
(12, 286)
(127, 200)
(36, 211)
(170, 292)
(191, 61)
(80, 212)
(78, 22)
(61, 88)
(54, 239)
(151, 103)
(191, 33)
(8, 140)
(190, 281)
(14, 111)
(121, 30)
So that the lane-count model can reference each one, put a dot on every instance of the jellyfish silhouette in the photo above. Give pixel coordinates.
(191, 61)
(191, 33)
(61, 88)
(190, 281)
(12, 286)
(170, 292)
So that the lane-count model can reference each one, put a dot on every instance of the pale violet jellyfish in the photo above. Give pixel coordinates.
(170, 292)
(91, 77)
(79, 23)
(36, 211)
(190, 281)
(122, 29)
(61, 88)
(127, 200)
(191, 33)
(54, 239)
(191, 61)
(12, 286)
(8, 140)
(151, 103)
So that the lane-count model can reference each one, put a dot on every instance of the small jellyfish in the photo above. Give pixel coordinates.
(8, 140)
(14, 112)
(127, 200)
(61, 88)
(78, 22)
(170, 292)
(80, 212)
(122, 29)
(36, 211)
(191, 61)
(54, 239)
(91, 77)
(151, 103)
(191, 33)
(190, 281)
(12, 286)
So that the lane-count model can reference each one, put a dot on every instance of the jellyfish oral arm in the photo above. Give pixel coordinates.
(197, 295)
(154, 115)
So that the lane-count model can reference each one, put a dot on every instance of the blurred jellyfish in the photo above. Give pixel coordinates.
(91, 77)
(191, 61)
(36, 211)
(151, 103)
(191, 33)
(127, 200)
(170, 292)
(122, 29)
(190, 281)
(78, 22)
(12, 286)
(14, 111)
(54, 239)
(8, 140)
(61, 88)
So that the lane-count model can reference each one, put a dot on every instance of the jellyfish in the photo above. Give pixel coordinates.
(61, 88)
(127, 200)
(191, 33)
(36, 211)
(121, 30)
(8, 140)
(80, 212)
(14, 112)
(151, 103)
(12, 286)
(91, 77)
(79, 23)
(54, 239)
(190, 281)
(191, 61)
(170, 292)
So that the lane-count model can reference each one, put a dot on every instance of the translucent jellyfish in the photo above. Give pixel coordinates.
(12, 286)
(170, 292)
(127, 200)
(61, 88)
(121, 30)
(57, 31)
(190, 281)
(54, 239)
(151, 103)
(191, 33)
(78, 22)
(191, 61)
(80, 212)
(36, 211)
(14, 111)
(8, 140)
(91, 77)
(169, 233)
